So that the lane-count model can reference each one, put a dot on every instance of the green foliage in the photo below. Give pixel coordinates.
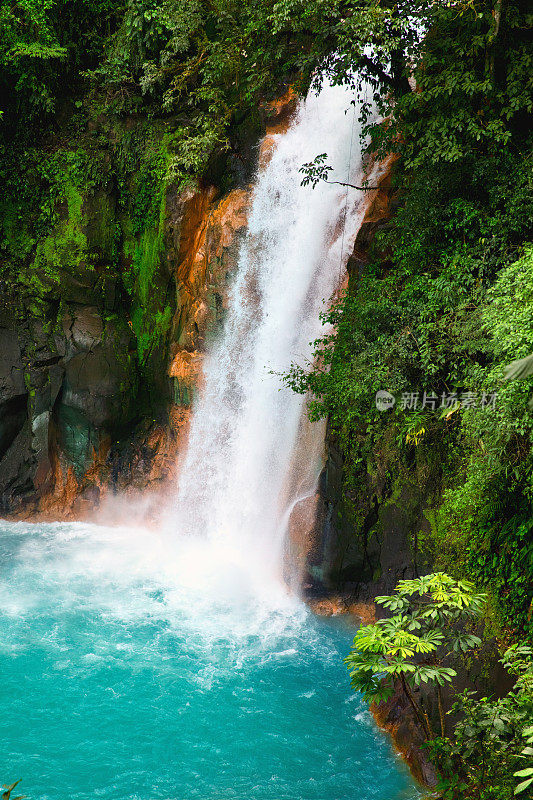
(29, 46)
(185, 57)
(472, 70)
(490, 510)
(215, 62)
(152, 36)
(43, 46)
(526, 753)
(315, 171)
(142, 158)
(481, 760)
(508, 311)
(474, 84)
(408, 647)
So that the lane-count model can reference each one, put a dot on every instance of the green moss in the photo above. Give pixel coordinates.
(143, 157)
(64, 249)
(146, 260)
(61, 185)
(151, 315)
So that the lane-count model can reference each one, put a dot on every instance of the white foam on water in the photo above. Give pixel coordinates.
(120, 578)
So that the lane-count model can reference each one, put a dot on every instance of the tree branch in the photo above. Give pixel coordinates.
(352, 185)
(377, 71)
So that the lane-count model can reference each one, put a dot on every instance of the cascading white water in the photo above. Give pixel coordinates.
(243, 446)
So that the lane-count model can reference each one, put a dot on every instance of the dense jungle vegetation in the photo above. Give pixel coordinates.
(446, 302)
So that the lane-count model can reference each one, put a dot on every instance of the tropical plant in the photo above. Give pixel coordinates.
(408, 648)
(527, 752)
(481, 759)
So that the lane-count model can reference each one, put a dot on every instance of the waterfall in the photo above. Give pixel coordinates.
(244, 468)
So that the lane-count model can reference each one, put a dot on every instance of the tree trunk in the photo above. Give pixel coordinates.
(496, 20)
(441, 712)
(421, 715)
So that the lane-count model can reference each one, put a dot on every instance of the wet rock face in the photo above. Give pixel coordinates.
(97, 380)
(366, 543)
(13, 392)
(98, 383)
(29, 383)
(370, 539)
(61, 389)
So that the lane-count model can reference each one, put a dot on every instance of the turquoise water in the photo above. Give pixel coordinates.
(136, 667)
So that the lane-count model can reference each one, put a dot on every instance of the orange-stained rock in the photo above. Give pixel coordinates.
(328, 606)
(229, 216)
(207, 257)
(336, 605)
(193, 209)
(366, 612)
(278, 115)
(186, 366)
(207, 229)
(57, 503)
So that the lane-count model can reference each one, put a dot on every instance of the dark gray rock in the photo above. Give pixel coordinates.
(62, 387)
(11, 366)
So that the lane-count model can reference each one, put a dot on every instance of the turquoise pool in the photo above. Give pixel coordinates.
(134, 667)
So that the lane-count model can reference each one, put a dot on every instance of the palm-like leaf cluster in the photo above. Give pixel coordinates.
(409, 647)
